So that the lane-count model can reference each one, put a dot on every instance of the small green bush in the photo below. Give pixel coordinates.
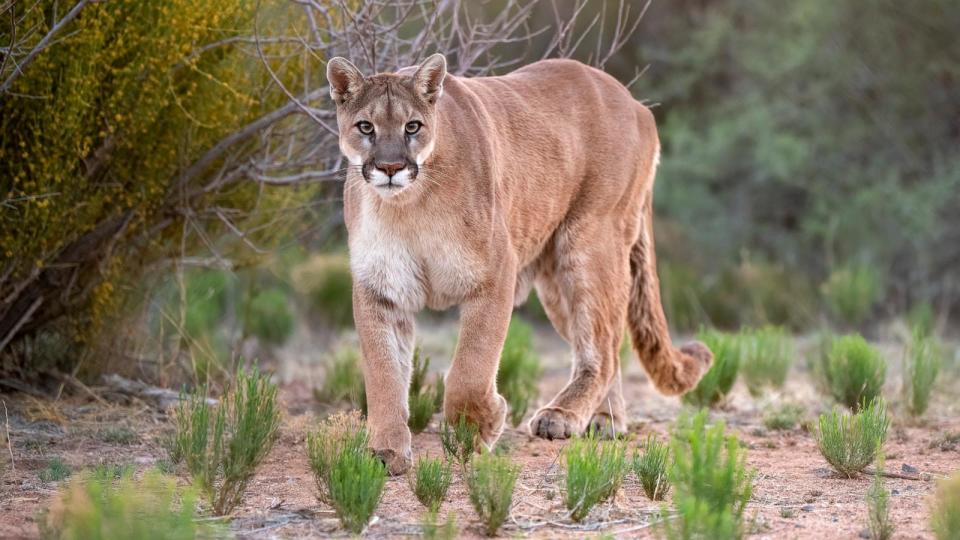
(433, 531)
(879, 523)
(422, 398)
(326, 282)
(268, 316)
(923, 362)
(356, 486)
(342, 433)
(490, 482)
(651, 468)
(55, 471)
(594, 473)
(851, 292)
(519, 372)
(784, 417)
(850, 443)
(461, 440)
(223, 447)
(431, 479)
(115, 470)
(344, 379)
(767, 354)
(855, 371)
(718, 380)
(95, 506)
(945, 513)
(712, 483)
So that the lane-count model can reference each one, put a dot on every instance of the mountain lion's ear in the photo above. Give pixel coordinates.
(345, 79)
(428, 79)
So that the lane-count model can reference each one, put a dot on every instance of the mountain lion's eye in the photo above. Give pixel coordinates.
(413, 127)
(365, 127)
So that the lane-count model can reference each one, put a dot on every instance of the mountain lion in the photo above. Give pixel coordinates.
(468, 192)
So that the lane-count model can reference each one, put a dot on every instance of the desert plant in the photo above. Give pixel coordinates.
(55, 471)
(422, 398)
(223, 448)
(460, 440)
(784, 417)
(923, 360)
(879, 523)
(97, 506)
(945, 513)
(519, 370)
(430, 481)
(356, 486)
(594, 473)
(718, 380)
(119, 435)
(433, 531)
(851, 292)
(767, 354)
(268, 316)
(855, 371)
(326, 282)
(850, 442)
(490, 482)
(651, 468)
(342, 433)
(344, 379)
(712, 483)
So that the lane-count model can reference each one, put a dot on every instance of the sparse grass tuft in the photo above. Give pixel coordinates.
(422, 397)
(344, 379)
(851, 292)
(923, 362)
(718, 380)
(224, 446)
(95, 506)
(711, 481)
(460, 440)
(119, 435)
(431, 479)
(767, 355)
(356, 486)
(850, 442)
(55, 471)
(114, 470)
(945, 514)
(651, 468)
(342, 433)
(783, 418)
(490, 482)
(434, 531)
(879, 524)
(519, 370)
(855, 371)
(595, 471)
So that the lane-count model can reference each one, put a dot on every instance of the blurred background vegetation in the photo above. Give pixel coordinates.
(168, 193)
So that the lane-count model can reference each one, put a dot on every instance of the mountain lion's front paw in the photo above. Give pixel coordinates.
(551, 423)
(397, 462)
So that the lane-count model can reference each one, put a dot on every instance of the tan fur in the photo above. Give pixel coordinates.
(542, 177)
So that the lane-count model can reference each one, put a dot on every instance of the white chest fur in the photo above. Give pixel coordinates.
(412, 267)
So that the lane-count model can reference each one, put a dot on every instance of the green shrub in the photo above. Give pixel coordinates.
(433, 531)
(879, 523)
(855, 371)
(431, 479)
(519, 373)
(115, 470)
(422, 398)
(851, 292)
(945, 514)
(356, 486)
(344, 379)
(594, 473)
(205, 296)
(712, 484)
(651, 468)
(460, 440)
(784, 417)
(850, 443)
(268, 316)
(922, 319)
(326, 282)
(490, 482)
(767, 354)
(95, 506)
(923, 362)
(718, 380)
(55, 471)
(223, 447)
(342, 433)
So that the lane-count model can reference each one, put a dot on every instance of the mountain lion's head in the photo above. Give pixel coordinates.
(388, 121)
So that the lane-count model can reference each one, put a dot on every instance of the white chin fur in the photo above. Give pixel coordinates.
(386, 186)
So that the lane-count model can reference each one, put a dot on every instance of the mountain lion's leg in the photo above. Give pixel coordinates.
(471, 384)
(610, 418)
(386, 340)
(594, 276)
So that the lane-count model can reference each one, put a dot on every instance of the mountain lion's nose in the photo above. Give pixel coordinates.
(391, 168)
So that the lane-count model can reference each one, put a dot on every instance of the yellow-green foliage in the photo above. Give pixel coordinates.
(945, 514)
(325, 280)
(102, 124)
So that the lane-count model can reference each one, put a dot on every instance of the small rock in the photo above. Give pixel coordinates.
(908, 469)
(895, 492)
(864, 533)
(807, 508)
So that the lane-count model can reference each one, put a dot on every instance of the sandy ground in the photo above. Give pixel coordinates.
(795, 495)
